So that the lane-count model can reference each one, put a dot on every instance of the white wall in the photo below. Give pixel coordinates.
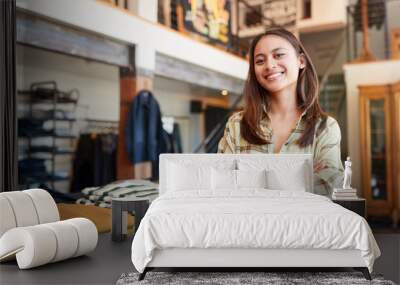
(378, 72)
(98, 83)
(148, 37)
(323, 15)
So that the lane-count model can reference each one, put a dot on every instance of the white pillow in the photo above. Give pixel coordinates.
(183, 177)
(293, 179)
(251, 179)
(226, 179)
(281, 174)
(223, 179)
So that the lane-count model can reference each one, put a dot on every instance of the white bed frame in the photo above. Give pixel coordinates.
(250, 258)
(234, 257)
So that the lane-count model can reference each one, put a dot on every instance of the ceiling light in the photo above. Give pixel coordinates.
(224, 92)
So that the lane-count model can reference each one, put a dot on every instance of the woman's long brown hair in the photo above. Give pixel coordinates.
(256, 96)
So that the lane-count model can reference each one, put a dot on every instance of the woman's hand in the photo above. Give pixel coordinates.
(319, 166)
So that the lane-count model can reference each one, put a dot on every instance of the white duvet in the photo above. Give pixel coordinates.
(253, 218)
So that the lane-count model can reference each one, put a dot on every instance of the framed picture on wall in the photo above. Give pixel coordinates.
(208, 18)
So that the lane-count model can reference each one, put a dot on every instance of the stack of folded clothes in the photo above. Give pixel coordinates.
(54, 114)
(33, 170)
(29, 127)
(344, 194)
(102, 196)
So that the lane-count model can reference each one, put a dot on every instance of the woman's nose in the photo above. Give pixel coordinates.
(270, 63)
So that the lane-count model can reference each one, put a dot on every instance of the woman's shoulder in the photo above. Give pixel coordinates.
(234, 123)
(236, 117)
(332, 124)
(235, 120)
(330, 128)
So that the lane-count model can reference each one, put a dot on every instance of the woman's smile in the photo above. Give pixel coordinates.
(274, 76)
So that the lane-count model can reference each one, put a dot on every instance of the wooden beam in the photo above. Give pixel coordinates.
(184, 71)
(39, 32)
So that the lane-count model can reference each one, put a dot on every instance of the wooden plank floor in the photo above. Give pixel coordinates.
(102, 266)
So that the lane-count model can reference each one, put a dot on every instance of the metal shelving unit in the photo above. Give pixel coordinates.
(48, 93)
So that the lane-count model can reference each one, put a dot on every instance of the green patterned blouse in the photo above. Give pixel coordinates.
(325, 149)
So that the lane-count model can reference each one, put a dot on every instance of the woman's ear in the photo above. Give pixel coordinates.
(302, 61)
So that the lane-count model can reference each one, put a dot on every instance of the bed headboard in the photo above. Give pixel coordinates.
(273, 161)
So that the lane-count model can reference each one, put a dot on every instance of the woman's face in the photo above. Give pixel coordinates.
(276, 64)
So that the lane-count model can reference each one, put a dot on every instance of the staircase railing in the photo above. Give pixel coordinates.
(212, 138)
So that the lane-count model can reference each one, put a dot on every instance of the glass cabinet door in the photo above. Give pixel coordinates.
(378, 147)
(378, 150)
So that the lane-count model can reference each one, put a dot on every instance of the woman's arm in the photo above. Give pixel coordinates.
(328, 167)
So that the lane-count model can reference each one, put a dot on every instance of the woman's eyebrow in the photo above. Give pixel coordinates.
(278, 48)
(272, 51)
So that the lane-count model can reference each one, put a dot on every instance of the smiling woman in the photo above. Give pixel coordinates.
(282, 113)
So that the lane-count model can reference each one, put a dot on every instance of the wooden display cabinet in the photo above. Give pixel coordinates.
(380, 149)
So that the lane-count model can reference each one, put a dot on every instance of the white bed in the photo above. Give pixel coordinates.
(247, 226)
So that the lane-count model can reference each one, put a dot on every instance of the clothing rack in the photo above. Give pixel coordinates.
(101, 126)
(95, 158)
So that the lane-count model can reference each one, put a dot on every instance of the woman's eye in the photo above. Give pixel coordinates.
(279, 55)
(259, 61)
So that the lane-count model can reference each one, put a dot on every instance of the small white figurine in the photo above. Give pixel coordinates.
(347, 174)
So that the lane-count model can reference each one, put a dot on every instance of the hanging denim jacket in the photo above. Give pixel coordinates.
(144, 132)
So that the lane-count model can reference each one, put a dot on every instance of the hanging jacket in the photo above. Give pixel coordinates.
(143, 132)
